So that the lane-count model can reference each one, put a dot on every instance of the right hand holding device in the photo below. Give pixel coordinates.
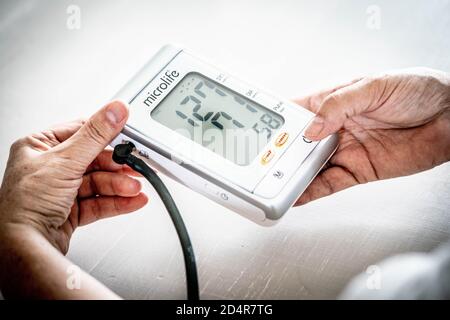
(390, 125)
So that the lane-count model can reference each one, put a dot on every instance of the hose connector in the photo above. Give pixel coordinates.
(122, 152)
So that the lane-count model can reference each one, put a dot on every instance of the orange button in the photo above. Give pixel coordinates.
(282, 138)
(267, 157)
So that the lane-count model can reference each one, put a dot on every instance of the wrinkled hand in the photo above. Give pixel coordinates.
(391, 125)
(63, 178)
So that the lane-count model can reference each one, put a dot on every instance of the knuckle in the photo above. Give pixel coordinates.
(375, 82)
(117, 185)
(116, 205)
(377, 85)
(49, 137)
(97, 132)
(379, 82)
(330, 102)
(14, 147)
(18, 144)
(432, 83)
(315, 100)
(29, 140)
(96, 208)
(92, 183)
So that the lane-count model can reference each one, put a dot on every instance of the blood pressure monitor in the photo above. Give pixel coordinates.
(237, 145)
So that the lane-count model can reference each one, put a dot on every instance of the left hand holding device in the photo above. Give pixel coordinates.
(63, 178)
(55, 181)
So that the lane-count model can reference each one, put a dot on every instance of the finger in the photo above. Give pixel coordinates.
(90, 140)
(64, 131)
(108, 184)
(338, 107)
(52, 137)
(312, 102)
(128, 171)
(328, 182)
(94, 209)
(104, 162)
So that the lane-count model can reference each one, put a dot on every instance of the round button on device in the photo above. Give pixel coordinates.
(267, 157)
(281, 139)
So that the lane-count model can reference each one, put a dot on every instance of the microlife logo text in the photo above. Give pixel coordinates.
(166, 80)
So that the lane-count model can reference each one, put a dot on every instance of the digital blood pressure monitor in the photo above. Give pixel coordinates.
(221, 137)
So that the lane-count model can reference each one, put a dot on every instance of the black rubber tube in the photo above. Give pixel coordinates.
(188, 252)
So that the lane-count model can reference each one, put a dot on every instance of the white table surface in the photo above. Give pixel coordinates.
(50, 74)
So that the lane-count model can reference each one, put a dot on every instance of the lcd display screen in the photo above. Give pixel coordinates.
(218, 118)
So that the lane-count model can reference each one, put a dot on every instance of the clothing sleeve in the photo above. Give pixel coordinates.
(406, 276)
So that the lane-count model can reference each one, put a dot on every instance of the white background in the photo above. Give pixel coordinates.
(51, 74)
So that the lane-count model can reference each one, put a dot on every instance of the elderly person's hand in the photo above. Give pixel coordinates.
(60, 179)
(390, 125)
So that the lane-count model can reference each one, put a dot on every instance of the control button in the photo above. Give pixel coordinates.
(282, 138)
(267, 157)
(306, 140)
(285, 168)
(278, 174)
(215, 191)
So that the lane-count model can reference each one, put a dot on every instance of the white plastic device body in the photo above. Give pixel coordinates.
(261, 191)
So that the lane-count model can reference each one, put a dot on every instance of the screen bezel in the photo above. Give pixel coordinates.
(183, 149)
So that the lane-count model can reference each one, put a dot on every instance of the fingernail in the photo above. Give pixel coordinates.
(116, 112)
(315, 127)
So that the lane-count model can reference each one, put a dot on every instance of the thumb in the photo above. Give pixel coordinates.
(85, 145)
(338, 107)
